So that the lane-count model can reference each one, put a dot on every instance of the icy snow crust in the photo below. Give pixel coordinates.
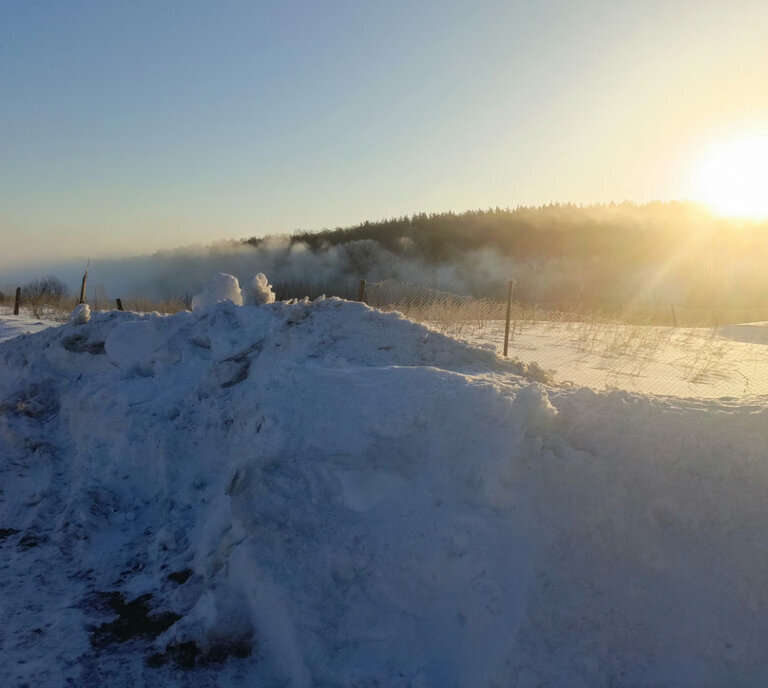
(324, 495)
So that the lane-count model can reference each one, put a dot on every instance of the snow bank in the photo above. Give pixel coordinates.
(754, 333)
(322, 494)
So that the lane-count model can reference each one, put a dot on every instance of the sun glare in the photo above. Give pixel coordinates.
(732, 178)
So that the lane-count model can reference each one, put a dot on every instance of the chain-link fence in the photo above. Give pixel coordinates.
(648, 348)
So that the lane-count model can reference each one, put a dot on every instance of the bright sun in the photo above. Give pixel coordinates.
(732, 178)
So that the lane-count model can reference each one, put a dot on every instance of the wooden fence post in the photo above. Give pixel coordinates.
(509, 311)
(361, 291)
(119, 304)
(18, 301)
(82, 287)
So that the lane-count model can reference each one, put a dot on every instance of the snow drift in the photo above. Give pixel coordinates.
(322, 494)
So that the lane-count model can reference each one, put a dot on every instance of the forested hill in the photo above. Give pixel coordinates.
(666, 252)
(625, 232)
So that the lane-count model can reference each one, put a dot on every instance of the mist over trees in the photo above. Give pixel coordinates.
(551, 231)
(673, 251)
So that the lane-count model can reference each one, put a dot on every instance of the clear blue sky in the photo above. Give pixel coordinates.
(131, 126)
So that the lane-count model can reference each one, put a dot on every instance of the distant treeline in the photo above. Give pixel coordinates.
(674, 251)
(626, 231)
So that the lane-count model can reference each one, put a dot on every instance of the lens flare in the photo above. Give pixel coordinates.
(732, 178)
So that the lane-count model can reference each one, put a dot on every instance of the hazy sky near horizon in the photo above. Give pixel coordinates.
(135, 126)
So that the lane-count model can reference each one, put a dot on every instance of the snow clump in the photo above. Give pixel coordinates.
(257, 290)
(224, 287)
(81, 314)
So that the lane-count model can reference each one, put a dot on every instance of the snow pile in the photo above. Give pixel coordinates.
(322, 494)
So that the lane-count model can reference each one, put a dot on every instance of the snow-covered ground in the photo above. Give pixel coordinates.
(320, 494)
(14, 325)
(728, 361)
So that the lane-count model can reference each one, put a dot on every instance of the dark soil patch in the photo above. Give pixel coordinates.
(79, 344)
(188, 655)
(134, 620)
(180, 577)
(29, 541)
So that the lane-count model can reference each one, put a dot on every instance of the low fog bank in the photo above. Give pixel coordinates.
(294, 268)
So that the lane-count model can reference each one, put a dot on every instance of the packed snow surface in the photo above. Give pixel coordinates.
(320, 494)
(13, 325)
(711, 362)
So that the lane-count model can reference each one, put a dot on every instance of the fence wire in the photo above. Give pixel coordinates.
(441, 310)
(657, 348)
